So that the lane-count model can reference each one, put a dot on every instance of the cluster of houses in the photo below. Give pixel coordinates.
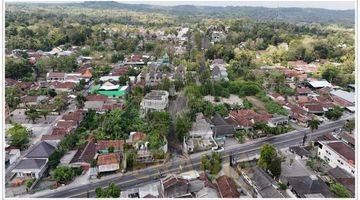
(191, 184)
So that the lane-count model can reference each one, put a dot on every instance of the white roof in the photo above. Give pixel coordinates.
(109, 86)
(107, 78)
(190, 175)
(320, 84)
(348, 96)
(124, 88)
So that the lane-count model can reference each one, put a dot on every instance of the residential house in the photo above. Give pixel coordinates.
(175, 187)
(344, 178)
(102, 146)
(108, 162)
(95, 102)
(261, 183)
(55, 76)
(85, 155)
(343, 98)
(227, 187)
(309, 187)
(156, 100)
(337, 154)
(303, 91)
(278, 120)
(221, 128)
(34, 163)
(319, 84)
(218, 70)
(63, 86)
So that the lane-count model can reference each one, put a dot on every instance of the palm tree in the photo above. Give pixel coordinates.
(313, 124)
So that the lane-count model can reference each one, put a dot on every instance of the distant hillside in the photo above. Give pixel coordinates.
(306, 15)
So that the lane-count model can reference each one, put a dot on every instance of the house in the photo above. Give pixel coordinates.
(218, 70)
(35, 162)
(217, 36)
(315, 108)
(276, 97)
(303, 91)
(337, 154)
(278, 120)
(156, 100)
(175, 187)
(146, 191)
(227, 187)
(136, 137)
(108, 162)
(85, 155)
(319, 84)
(246, 118)
(261, 183)
(102, 146)
(208, 190)
(63, 86)
(348, 138)
(201, 127)
(343, 98)
(300, 151)
(55, 76)
(76, 116)
(221, 128)
(95, 102)
(344, 178)
(309, 187)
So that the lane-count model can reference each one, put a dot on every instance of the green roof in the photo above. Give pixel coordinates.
(109, 93)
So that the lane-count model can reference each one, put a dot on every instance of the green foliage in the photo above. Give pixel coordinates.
(350, 125)
(12, 96)
(247, 104)
(340, 190)
(80, 100)
(32, 114)
(275, 167)
(17, 69)
(334, 114)
(63, 174)
(30, 182)
(112, 191)
(313, 124)
(240, 135)
(222, 110)
(60, 104)
(19, 136)
(282, 186)
(211, 163)
(182, 126)
(267, 155)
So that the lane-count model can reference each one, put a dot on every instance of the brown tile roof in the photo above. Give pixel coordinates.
(28, 99)
(76, 116)
(97, 97)
(66, 124)
(303, 90)
(108, 159)
(59, 131)
(66, 85)
(173, 180)
(52, 137)
(344, 150)
(112, 106)
(85, 154)
(227, 187)
(87, 74)
(119, 71)
(138, 136)
(56, 75)
(105, 144)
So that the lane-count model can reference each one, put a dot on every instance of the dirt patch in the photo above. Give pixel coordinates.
(259, 105)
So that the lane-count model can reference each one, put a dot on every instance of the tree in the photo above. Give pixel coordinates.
(111, 192)
(17, 68)
(313, 124)
(267, 154)
(80, 100)
(32, 114)
(45, 112)
(63, 174)
(59, 104)
(182, 126)
(19, 136)
(275, 167)
(334, 114)
(340, 190)
(12, 96)
(350, 125)
(222, 110)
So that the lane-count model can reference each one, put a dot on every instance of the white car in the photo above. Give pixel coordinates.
(217, 149)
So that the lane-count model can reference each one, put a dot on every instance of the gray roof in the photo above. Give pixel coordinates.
(31, 164)
(263, 183)
(304, 185)
(300, 151)
(348, 96)
(223, 130)
(41, 150)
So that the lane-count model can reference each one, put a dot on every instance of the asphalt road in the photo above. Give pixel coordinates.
(193, 162)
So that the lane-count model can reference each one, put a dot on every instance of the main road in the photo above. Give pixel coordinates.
(150, 174)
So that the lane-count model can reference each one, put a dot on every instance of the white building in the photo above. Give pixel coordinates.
(337, 154)
(156, 100)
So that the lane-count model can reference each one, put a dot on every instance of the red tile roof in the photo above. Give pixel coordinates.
(303, 90)
(108, 159)
(227, 187)
(56, 75)
(97, 97)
